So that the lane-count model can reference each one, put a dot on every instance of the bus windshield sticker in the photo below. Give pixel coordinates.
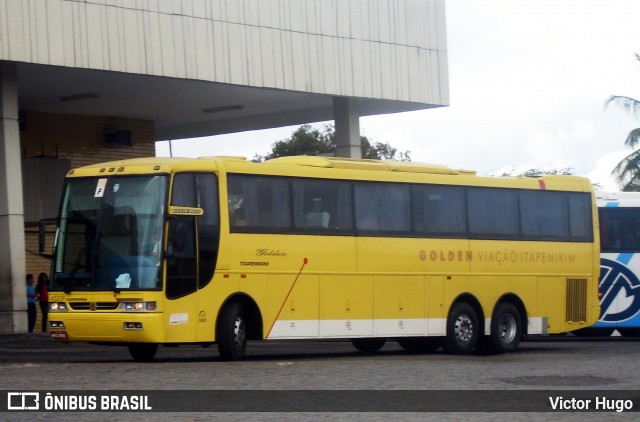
(102, 183)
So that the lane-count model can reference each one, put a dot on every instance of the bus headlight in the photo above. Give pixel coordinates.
(57, 307)
(137, 306)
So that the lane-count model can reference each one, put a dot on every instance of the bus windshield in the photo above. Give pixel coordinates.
(110, 234)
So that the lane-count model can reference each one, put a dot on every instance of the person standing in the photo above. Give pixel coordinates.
(42, 294)
(31, 302)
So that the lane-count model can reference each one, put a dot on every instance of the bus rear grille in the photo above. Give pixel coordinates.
(576, 300)
(94, 306)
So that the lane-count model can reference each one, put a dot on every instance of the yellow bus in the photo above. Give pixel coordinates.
(220, 250)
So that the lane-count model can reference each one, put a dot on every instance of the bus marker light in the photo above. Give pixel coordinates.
(243, 276)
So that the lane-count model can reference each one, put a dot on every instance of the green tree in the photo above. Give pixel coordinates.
(627, 171)
(307, 140)
(568, 171)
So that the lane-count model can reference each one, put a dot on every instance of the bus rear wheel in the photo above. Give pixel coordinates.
(232, 332)
(462, 330)
(143, 352)
(506, 331)
(368, 345)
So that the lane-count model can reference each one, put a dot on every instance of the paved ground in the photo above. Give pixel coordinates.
(34, 362)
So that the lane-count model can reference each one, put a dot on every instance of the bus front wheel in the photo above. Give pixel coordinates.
(232, 332)
(143, 352)
(462, 330)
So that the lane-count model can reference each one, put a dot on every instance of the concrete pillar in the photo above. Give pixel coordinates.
(13, 299)
(347, 128)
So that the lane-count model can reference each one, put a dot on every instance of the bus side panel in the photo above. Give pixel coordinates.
(399, 305)
(304, 277)
(295, 309)
(619, 291)
(346, 306)
(436, 312)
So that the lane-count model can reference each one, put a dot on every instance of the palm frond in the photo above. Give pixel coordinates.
(633, 138)
(631, 105)
(627, 169)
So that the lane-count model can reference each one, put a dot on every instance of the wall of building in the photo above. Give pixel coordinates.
(386, 49)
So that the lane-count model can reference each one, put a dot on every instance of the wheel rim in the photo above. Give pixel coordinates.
(463, 329)
(239, 334)
(507, 328)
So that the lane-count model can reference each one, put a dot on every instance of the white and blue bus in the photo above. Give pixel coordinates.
(619, 288)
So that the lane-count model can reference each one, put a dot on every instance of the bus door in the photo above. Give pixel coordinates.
(191, 253)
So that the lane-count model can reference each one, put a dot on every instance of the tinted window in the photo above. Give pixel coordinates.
(619, 229)
(208, 226)
(257, 202)
(263, 204)
(322, 205)
(544, 214)
(493, 212)
(182, 270)
(382, 207)
(190, 267)
(438, 210)
(580, 211)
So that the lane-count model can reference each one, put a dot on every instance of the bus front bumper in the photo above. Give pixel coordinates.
(108, 327)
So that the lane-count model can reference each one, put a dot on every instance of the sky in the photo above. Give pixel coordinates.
(528, 81)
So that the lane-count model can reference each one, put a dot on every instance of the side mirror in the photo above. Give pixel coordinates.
(42, 233)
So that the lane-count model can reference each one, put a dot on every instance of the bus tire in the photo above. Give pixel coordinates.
(143, 352)
(462, 330)
(368, 345)
(506, 331)
(232, 332)
(419, 344)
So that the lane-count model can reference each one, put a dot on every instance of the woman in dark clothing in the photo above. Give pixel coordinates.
(42, 293)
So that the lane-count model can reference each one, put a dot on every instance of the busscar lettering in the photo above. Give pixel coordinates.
(186, 211)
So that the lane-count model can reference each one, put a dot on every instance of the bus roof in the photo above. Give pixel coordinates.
(319, 166)
(618, 199)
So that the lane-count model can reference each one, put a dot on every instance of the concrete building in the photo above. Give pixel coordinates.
(89, 81)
